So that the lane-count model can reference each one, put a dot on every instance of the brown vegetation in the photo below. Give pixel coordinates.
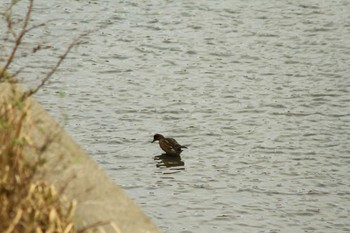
(28, 203)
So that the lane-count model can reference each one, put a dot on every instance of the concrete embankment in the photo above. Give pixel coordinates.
(67, 166)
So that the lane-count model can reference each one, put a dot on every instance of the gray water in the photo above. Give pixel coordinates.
(259, 90)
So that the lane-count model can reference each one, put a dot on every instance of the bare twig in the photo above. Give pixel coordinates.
(93, 226)
(8, 17)
(75, 42)
(19, 39)
(67, 182)
(39, 25)
(34, 50)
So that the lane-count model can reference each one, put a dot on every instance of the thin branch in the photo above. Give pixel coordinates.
(93, 226)
(39, 25)
(8, 16)
(34, 50)
(54, 69)
(19, 39)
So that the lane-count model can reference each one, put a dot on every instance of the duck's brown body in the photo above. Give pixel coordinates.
(169, 145)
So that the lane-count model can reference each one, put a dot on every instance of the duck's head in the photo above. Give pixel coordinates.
(157, 137)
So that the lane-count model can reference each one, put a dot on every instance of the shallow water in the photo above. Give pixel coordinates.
(259, 90)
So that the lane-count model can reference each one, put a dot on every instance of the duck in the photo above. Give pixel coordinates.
(169, 145)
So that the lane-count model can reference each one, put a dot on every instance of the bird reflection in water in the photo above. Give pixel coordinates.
(165, 160)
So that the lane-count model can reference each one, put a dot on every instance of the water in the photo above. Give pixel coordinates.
(259, 90)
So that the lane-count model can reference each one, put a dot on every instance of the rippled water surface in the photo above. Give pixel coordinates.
(259, 90)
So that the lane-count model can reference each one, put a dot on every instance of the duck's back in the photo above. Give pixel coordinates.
(173, 141)
(175, 144)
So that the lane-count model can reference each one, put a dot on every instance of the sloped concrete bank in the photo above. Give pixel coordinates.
(68, 166)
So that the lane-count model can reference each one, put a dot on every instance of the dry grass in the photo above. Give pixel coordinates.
(6, 77)
(28, 202)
